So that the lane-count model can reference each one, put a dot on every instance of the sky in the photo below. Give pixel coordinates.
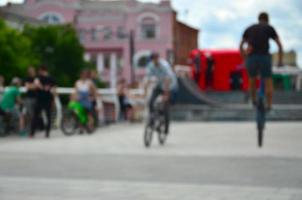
(222, 22)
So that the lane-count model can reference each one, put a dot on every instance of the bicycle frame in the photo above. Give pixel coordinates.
(80, 112)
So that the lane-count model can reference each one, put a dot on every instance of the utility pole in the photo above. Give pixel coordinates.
(132, 52)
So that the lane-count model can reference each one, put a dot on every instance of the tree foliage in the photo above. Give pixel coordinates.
(58, 48)
(15, 52)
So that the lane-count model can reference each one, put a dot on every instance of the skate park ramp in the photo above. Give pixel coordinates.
(190, 94)
(195, 105)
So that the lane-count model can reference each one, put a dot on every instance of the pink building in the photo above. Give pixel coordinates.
(105, 28)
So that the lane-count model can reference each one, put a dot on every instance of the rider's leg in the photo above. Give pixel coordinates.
(91, 113)
(252, 63)
(253, 89)
(168, 94)
(266, 74)
(269, 89)
(155, 93)
(167, 117)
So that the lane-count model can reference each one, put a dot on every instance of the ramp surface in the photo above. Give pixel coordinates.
(189, 93)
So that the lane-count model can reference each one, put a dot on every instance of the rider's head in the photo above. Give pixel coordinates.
(16, 82)
(263, 18)
(155, 57)
(84, 74)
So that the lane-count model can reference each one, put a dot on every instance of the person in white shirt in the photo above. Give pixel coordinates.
(166, 84)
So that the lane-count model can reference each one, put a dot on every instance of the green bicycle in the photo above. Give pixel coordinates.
(76, 119)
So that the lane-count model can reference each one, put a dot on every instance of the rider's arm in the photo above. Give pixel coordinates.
(241, 47)
(147, 80)
(280, 51)
(93, 90)
(169, 75)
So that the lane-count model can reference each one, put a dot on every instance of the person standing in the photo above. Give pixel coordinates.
(30, 96)
(197, 67)
(45, 85)
(258, 59)
(209, 71)
(126, 108)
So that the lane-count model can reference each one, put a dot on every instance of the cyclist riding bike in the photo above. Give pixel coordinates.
(254, 47)
(165, 85)
(86, 93)
(10, 100)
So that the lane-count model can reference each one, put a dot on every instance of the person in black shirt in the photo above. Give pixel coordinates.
(209, 70)
(30, 96)
(254, 46)
(45, 85)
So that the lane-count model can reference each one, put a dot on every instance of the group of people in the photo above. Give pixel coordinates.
(36, 105)
(40, 91)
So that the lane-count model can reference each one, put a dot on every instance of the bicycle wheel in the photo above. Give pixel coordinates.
(148, 133)
(162, 136)
(69, 124)
(260, 122)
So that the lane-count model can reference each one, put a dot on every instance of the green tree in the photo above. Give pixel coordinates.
(15, 52)
(59, 49)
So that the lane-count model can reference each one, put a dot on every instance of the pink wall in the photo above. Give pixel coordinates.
(113, 19)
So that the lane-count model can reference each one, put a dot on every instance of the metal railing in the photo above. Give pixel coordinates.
(105, 95)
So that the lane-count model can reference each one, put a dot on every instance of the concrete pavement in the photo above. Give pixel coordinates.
(200, 161)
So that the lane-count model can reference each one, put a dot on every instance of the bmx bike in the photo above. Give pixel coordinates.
(156, 123)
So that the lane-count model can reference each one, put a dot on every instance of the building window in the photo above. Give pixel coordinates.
(107, 33)
(52, 18)
(82, 34)
(93, 59)
(121, 33)
(148, 28)
(107, 61)
(120, 61)
(94, 34)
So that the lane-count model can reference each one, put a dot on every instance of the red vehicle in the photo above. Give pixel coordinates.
(219, 70)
